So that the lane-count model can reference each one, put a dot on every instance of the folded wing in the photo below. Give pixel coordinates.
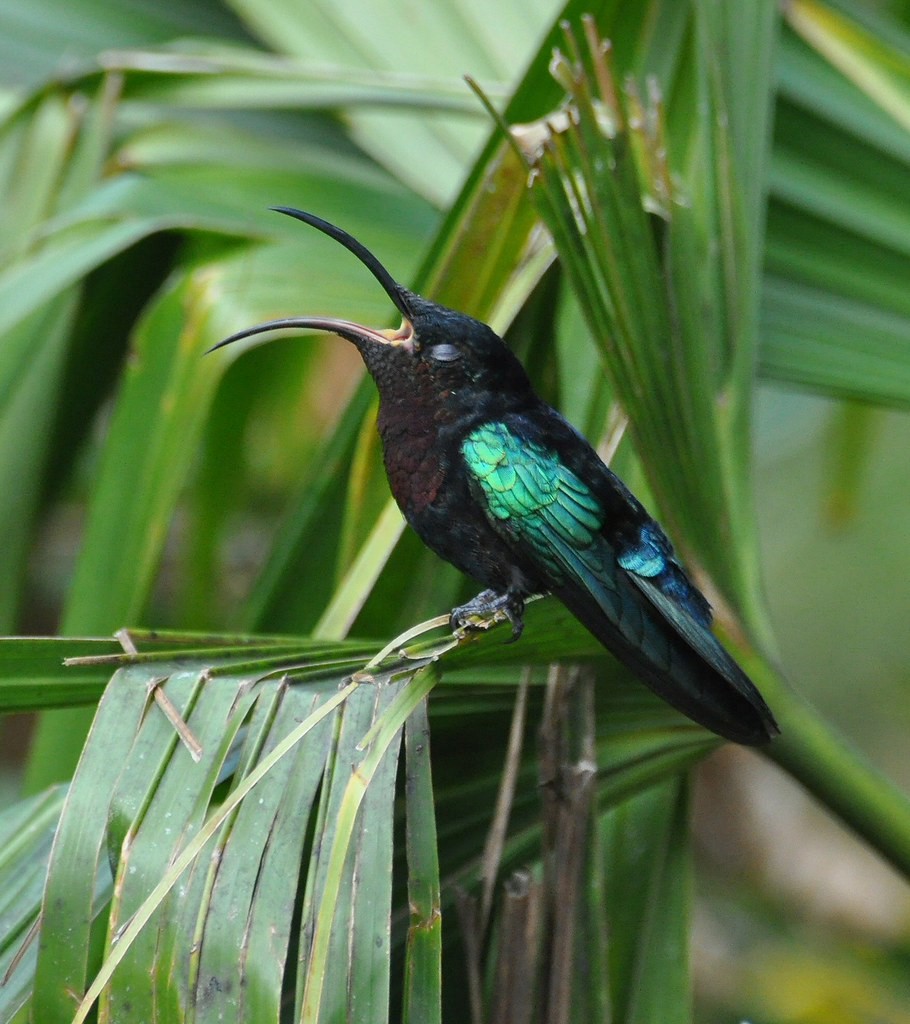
(626, 588)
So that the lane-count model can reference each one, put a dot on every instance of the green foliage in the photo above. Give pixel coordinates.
(725, 200)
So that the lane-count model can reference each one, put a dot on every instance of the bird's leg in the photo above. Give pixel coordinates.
(486, 606)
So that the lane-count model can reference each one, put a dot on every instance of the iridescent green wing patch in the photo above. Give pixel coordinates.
(533, 496)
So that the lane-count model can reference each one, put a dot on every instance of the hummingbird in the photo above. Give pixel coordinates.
(499, 484)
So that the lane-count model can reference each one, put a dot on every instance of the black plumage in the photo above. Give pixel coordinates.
(496, 482)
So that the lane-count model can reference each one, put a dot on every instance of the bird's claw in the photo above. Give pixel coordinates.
(486, 610)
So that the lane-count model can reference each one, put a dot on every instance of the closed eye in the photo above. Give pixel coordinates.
(444, 353)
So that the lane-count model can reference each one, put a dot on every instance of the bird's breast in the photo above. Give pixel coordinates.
(415, 465)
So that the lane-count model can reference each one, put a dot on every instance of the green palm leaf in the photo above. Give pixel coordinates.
(751, 227)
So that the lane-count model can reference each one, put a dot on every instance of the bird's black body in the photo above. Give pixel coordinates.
(496, 482)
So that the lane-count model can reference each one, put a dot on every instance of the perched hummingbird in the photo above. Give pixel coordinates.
(496, 482)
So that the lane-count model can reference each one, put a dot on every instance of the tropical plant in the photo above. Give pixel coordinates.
(292, 803)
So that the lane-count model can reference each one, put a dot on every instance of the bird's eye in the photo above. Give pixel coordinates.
(444, 353)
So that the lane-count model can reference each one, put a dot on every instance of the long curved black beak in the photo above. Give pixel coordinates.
(390, 286)
(346, 328)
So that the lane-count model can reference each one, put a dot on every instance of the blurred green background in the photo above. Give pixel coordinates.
(140, 147)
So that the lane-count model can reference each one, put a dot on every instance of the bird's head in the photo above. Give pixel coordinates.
(436, 348)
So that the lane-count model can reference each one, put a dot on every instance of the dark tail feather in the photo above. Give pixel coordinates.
(677, 657)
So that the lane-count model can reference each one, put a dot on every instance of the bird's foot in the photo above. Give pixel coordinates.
(486, 610)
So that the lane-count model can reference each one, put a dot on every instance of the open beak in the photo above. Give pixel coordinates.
(345, 328)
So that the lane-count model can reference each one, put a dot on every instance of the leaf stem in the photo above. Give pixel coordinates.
(839, 776)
